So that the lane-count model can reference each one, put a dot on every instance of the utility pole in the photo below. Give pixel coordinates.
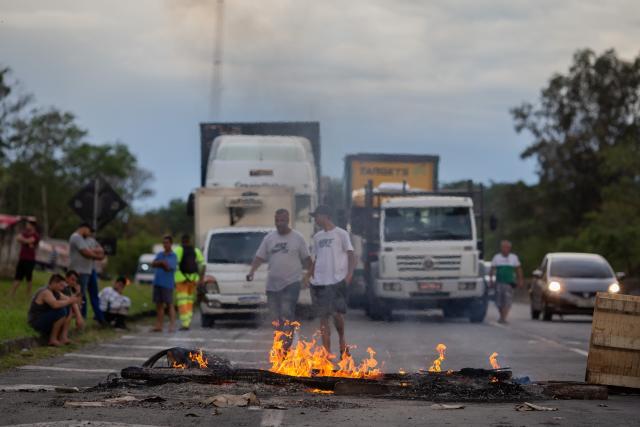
(218, 52)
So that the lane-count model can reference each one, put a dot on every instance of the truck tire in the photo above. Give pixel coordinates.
(451, 310)
(478, 310)
(207, 320)
(378, 309)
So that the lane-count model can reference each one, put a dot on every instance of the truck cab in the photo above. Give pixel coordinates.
(228, 252)
(428, 257)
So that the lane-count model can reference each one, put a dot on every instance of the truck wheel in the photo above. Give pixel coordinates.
(207, 320)
(478, 310)
(377, 309)
(451, 310)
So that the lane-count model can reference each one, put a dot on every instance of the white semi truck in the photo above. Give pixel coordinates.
(427, 257)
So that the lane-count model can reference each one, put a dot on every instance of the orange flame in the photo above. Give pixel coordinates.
(199, 358)
(493, 359)
(436, 365)
(308, 358)
(177, 365)
(318, 391)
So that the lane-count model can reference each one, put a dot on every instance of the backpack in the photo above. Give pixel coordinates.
(188, 263)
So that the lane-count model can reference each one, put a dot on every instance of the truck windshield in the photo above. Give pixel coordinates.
(234, 248)
(434, 223)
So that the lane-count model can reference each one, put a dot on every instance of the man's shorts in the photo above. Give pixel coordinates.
(44, 322)
(329, 299)
(24, 270)
(504, 295)
(162, 295)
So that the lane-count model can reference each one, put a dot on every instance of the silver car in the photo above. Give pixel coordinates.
(567, 283)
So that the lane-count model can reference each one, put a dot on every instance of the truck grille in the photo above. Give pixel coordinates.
(439, 262)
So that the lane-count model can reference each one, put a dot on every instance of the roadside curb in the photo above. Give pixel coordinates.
(17, 344)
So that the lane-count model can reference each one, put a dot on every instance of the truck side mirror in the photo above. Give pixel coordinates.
(191, 204)
(537, 273)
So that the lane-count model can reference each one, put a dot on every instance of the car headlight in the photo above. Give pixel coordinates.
(212, 287)
(614, 288)
(554, 286)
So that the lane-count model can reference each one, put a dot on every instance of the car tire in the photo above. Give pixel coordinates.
(207, 320)
(535, 314)
(547, 314)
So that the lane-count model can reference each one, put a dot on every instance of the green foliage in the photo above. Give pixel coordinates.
(586, 133)
(45, 157)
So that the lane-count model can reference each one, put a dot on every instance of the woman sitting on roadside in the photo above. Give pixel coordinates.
(48, 313)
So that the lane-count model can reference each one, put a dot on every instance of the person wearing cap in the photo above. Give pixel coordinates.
(81, 258)
(286, 252)
(330, 274)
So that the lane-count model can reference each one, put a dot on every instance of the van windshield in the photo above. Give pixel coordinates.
(436, 223)
(234, 248)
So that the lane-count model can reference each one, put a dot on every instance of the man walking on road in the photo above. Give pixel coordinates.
(165, 264)
(331, 273)
(81, 258)
(190, 263)
(505, 266)
(287, 254)
(28, 239)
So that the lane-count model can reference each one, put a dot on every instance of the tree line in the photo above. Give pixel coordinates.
(585, 139)
(46, 156)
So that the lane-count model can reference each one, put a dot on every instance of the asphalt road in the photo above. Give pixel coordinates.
(540, 350)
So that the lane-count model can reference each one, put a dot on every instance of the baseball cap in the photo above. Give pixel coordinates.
(323, 210)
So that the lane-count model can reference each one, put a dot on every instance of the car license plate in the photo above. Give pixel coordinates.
(429, 286)
(249, 299)
(583, 303)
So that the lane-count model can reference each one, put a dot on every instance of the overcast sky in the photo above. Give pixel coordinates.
(406, 76)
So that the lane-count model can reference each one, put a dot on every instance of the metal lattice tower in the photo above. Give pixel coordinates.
(218, 51)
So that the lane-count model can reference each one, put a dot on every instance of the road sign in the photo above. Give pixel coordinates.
(97, 203)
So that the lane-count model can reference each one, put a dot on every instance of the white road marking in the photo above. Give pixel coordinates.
(161, 347)
(61, 369)
(105, 357)
(188, 339)
(82, 423)
(272, 418)
(579, 351)
(541, 338)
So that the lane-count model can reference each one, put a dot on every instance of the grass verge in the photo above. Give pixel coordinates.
(13, 318)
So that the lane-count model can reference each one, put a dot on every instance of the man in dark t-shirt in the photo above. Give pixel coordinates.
(28, 239)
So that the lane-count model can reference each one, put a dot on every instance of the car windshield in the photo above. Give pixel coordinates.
(234, 248)
(580, 268)
(437, 223)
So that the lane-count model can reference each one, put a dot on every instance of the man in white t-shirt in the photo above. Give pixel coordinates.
(287, 254)
(331, 273)
(506, 269)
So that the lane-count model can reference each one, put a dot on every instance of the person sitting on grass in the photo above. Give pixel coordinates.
(73, 288)
(114, 305)
(49, 311)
